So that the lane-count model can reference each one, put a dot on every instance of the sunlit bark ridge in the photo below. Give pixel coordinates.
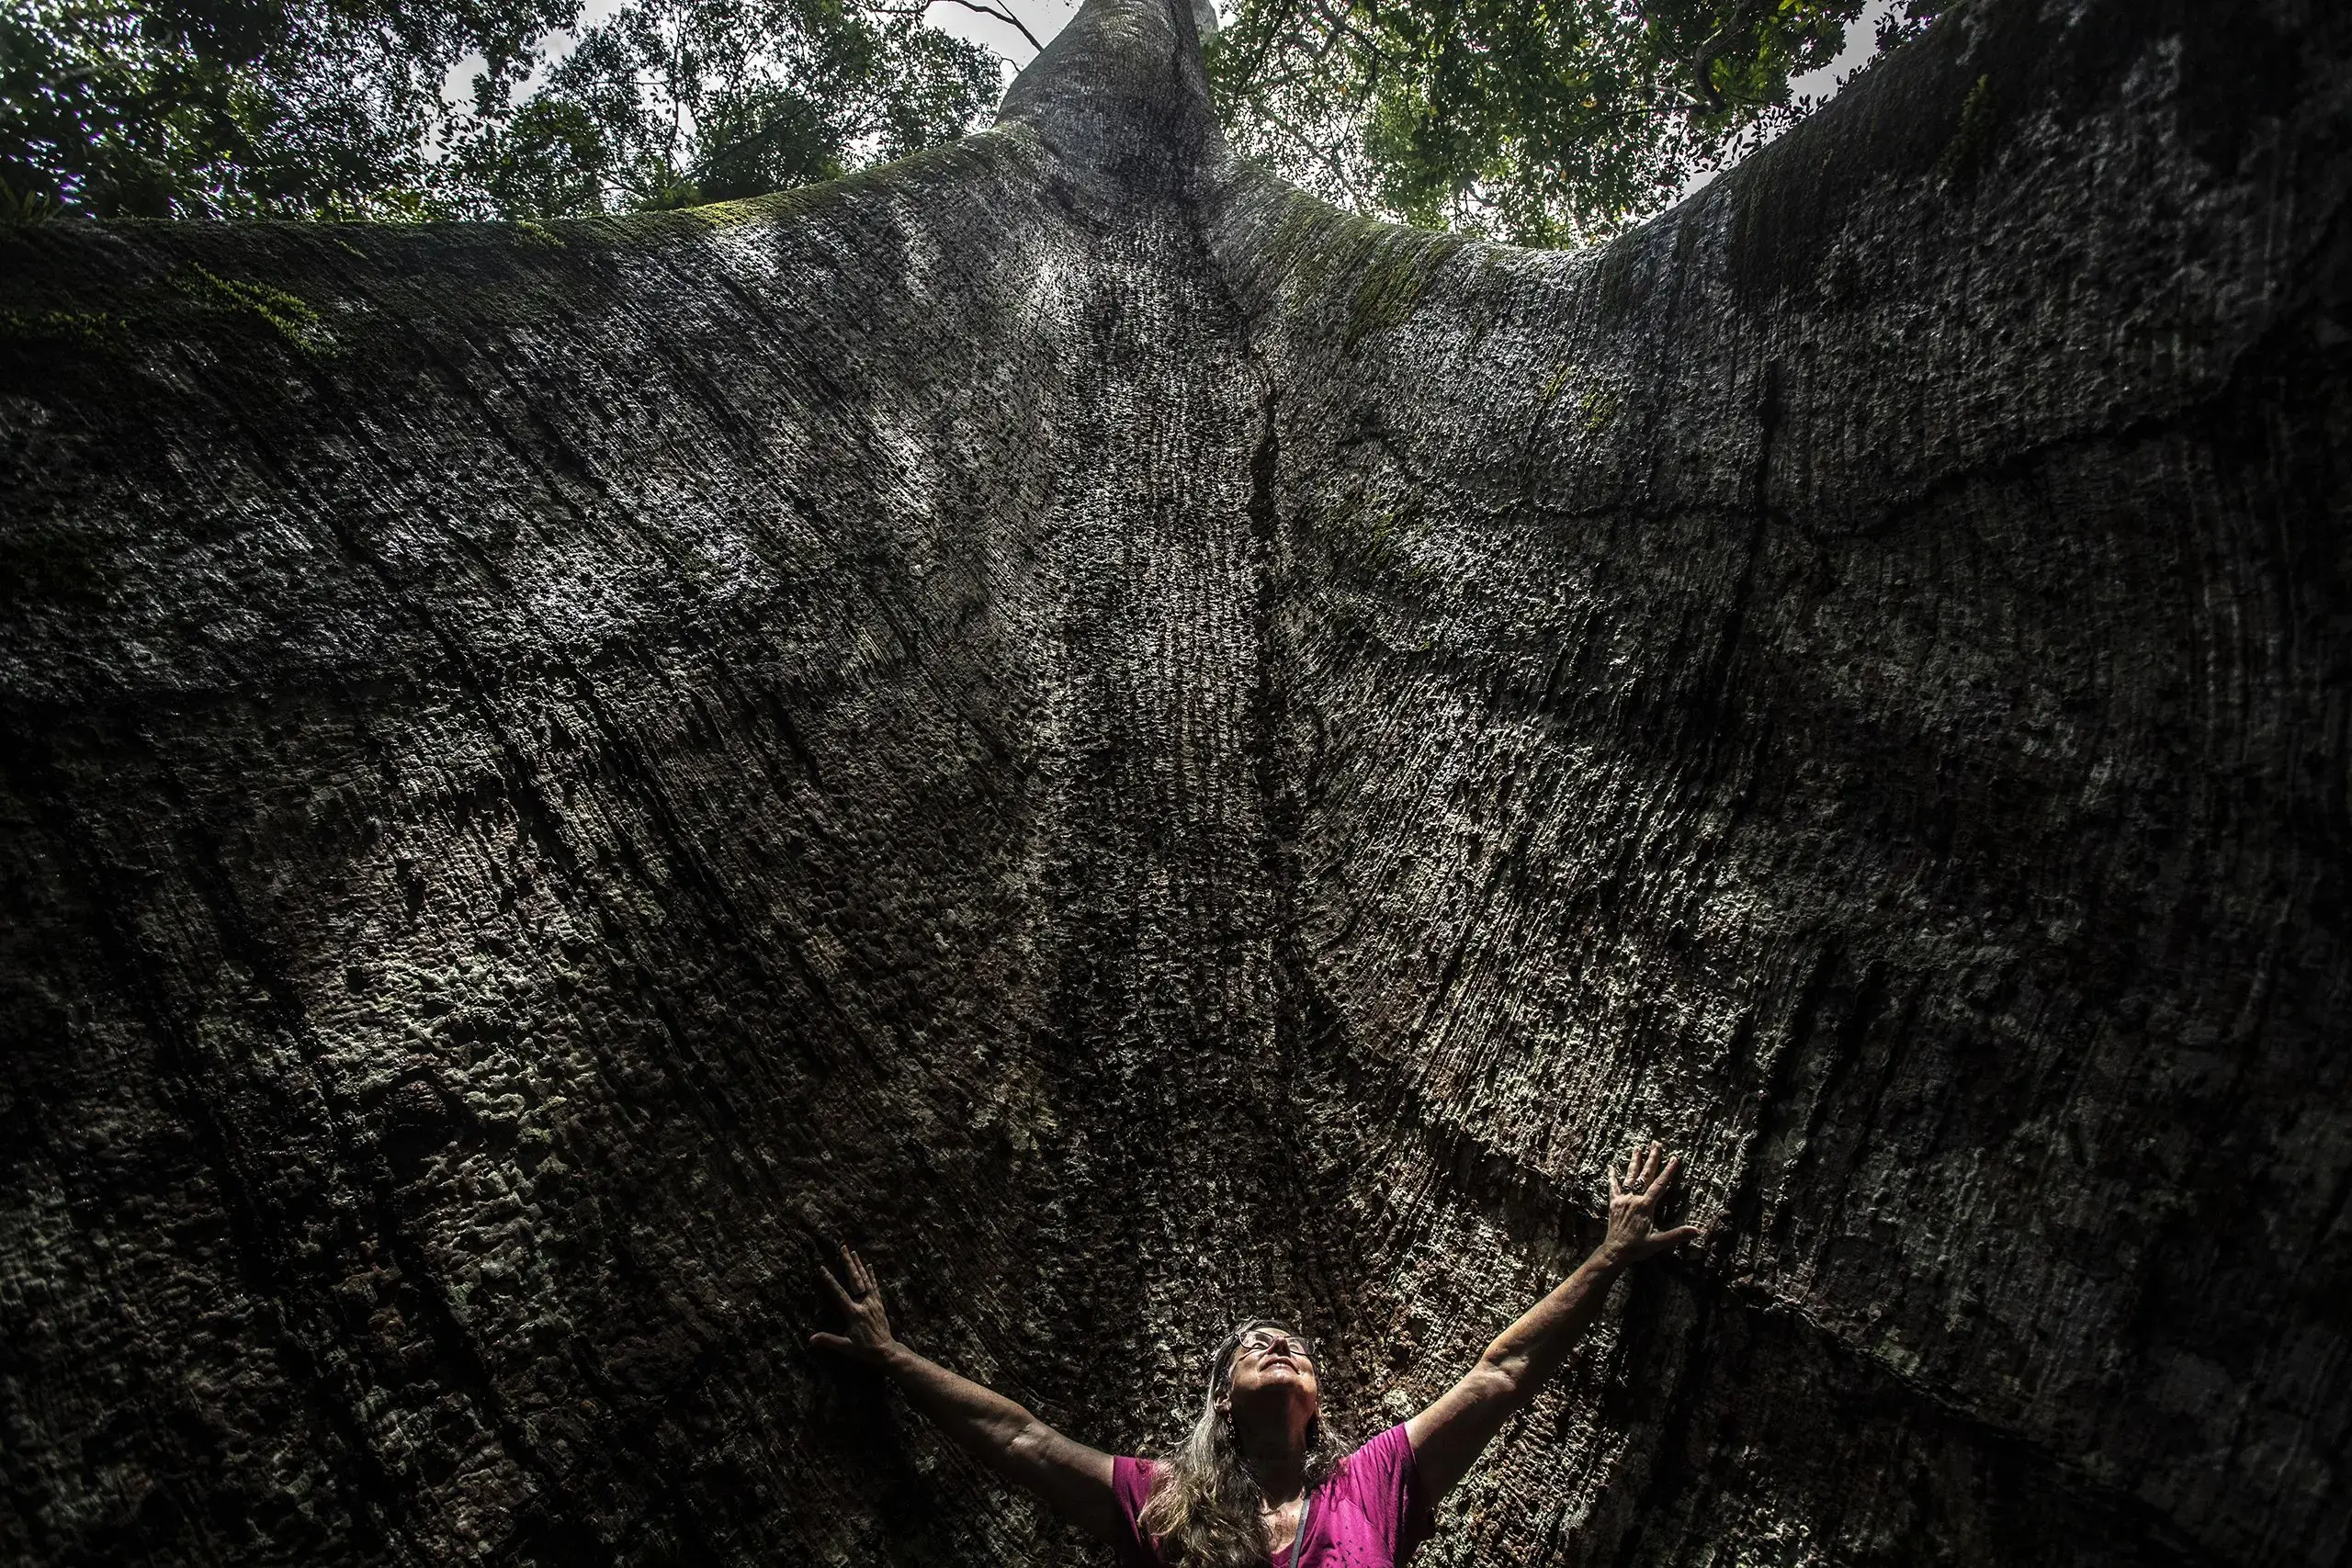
(1146, 750)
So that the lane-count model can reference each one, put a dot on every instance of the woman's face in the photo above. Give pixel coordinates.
(1273, 1366)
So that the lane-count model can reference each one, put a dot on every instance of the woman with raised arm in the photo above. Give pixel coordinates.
(1263, 1479)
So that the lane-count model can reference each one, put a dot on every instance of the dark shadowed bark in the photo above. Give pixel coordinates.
(1146, 751)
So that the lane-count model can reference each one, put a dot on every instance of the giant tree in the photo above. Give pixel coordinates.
(1146, 749)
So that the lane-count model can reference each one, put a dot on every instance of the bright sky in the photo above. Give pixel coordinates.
(1044, 18)
(1861, 42)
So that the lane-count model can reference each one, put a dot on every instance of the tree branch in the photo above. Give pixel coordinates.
(985, 9)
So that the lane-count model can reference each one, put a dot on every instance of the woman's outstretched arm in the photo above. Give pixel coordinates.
(1452, 1432)
(1072, 1479)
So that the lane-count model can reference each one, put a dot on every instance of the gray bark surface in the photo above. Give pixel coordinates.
(1148, 752)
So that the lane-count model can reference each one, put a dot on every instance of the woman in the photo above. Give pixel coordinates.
(1263, 1479)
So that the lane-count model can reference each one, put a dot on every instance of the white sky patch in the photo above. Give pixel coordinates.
(458, 87)
(1861, 42)
(1044, 18)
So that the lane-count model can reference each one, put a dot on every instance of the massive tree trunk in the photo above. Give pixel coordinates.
(1145, 750)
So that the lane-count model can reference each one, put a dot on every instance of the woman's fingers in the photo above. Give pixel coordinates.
(861, 1278)
(1649, 1171)
(1665, 1241)
(848, 1302)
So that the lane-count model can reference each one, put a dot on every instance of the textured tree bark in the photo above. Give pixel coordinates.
(1146, 751)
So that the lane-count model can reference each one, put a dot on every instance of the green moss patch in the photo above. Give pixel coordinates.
(1377, 272)
(290, 316)
(1965, 151)
(79, 329)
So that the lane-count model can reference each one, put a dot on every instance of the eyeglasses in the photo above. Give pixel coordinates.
(1272, 1341)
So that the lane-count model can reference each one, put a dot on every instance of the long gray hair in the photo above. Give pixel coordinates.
(1204, 1508)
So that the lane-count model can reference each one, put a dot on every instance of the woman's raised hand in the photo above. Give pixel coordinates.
(1448, 1437)
(1633, 1203)
(869, 1326)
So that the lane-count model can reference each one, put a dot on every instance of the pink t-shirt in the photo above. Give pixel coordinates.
(1370, 1513)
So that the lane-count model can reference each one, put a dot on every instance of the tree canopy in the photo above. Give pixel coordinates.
(336, 108)
(1541, 121)
(1545, 123)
